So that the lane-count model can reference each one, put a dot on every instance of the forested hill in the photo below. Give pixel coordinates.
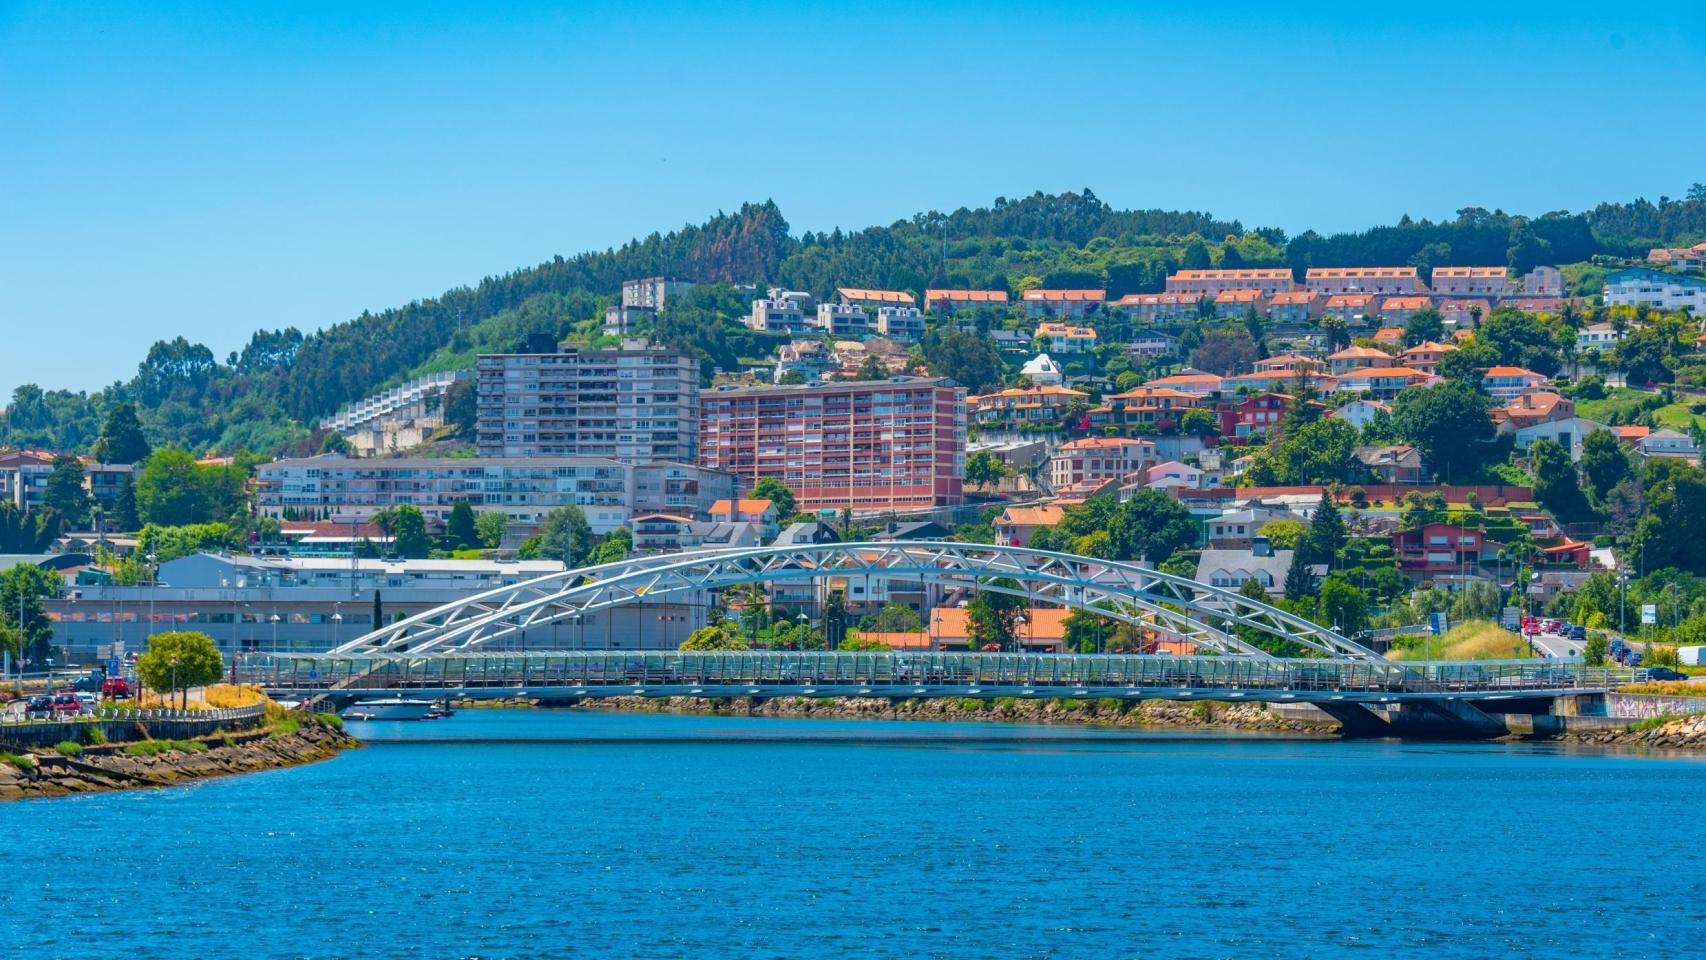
(264, 397)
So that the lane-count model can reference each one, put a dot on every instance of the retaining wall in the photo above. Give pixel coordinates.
(133, 725)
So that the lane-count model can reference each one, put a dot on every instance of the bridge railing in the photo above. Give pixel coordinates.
(737, 669)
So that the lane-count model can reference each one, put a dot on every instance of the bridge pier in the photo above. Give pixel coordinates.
(1442, 719)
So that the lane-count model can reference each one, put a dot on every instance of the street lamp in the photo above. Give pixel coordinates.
(153, 580)
(274, 620)
(337, 621)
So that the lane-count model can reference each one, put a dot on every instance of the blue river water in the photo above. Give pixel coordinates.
(569, 834)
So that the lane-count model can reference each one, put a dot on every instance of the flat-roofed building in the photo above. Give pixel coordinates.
(871, 446)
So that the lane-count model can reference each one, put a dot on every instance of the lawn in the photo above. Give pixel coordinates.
(1627, 404)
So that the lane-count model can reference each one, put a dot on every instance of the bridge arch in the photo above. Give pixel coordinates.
(1122, 591)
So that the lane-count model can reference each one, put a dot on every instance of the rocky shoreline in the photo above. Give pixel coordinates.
(1254, 717)
(114, 767)
(1680, 733)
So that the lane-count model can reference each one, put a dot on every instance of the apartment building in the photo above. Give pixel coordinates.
(1386, 281)
(23, 477)
(1296, 306)
(1016, 405)
(943, 302)
(861, 297)
(1397, 310)
(782, 311)
(636, 403)
(652, 293)
(1666, 291)
(1065, 338)
(1237, 303)
(1199, 283)
(871, 446)
(1095, 460)
(845, 320)
(1065, 304)
(1549, 281)
(522, 489)
(1161, 307)
(1353, 309)
(1508, 383)
(1492, 282)
(903, 324)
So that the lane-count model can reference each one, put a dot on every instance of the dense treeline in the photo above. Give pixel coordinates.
(267, 396)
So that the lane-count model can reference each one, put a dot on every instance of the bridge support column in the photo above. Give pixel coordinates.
(1422, 719)
(1356, 720)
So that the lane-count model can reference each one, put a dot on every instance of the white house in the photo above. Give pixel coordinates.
(1669, 443)
(1231, 569)
(1043, 371)
(1666, 291)
(1597, 336)
(1359, 413)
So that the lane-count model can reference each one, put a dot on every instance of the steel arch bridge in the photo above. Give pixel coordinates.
(1207, 615)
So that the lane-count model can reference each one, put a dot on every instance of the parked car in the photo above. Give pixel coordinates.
(115, 688)
(90, 702)
(1665, 673)
(41, 703)
(67, 702)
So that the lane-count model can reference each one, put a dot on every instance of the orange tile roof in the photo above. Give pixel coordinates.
(1359, 273)
(1103, 443)
(967, 296)
(1360, 353)
(879, 296)
(1464, 273)
(1039, 294)
(1046, 515)
(1238, 296)
(1631, 432)
(1158, 299)
(1406, 303)
(1038, 623)
(1252, 273)
(1197, 378)
(1513, 372)
(898, 640)
(746, 506)
(1428, 346)
(1152, 393)
(1349, 300)
(1389, 333)
(1293, 297)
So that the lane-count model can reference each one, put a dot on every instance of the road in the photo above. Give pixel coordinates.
(1555, 645)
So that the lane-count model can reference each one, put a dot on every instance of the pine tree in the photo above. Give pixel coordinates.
(1327, 534)
(121, 439)
(1298, 581)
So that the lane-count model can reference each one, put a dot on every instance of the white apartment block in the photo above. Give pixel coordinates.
(1665, 291)
(524, 490)
(782, 311)
(637, 403)
(652, 292)
(844, 319)
(900, 323)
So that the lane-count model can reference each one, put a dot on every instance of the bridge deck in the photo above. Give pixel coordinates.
(972, 675)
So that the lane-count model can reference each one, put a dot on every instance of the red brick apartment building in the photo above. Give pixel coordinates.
(873, 445)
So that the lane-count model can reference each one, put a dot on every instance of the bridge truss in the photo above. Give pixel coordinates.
(1207, 615)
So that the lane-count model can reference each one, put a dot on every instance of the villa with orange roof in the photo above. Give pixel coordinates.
(1396, 310)
(1236, 303)
(1015, 526)
(1353, 308)
(760, 512)
(1061, 338)
(1294, 306)
(1381, 383)
(1357, 358)
(1070, 304)
(1149, 406)
(1290, 363)
(1425, 356)
(1023, 404)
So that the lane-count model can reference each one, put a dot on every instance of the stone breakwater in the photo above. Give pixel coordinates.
(112, 767)
(1681, 733)
(1144, 713)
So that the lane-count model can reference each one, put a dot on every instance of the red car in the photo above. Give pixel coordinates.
(66, 702)
(115, 688)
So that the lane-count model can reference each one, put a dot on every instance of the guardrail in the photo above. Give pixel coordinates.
(136, 715)
(979, 673)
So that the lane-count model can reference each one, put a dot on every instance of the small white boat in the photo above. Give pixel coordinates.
(388, 708)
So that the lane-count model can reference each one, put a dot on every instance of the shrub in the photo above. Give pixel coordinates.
(147, 748)
(94, 735)
(331, 720)
(1110, 704)
(286, 724)
(68, 748)
(969, 705)
(1651, 723)
(22, 762)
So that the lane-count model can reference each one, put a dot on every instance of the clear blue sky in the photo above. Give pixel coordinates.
(203, 170)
